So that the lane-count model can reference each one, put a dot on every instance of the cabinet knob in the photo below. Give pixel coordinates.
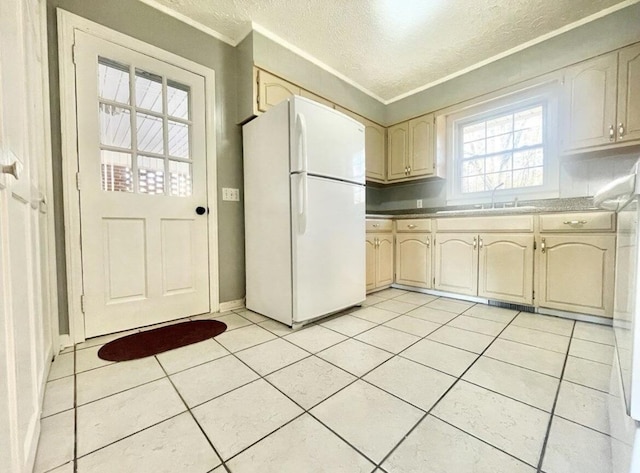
(14, 169)
(574, 222)
(612, 133)
(411, 225)
(543, 246)
(620, 130)
(480, 243)
(475, 243)
(409, 170)
(376, 225)
(428, 243)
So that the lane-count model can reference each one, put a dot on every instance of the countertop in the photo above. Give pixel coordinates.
(579, 204)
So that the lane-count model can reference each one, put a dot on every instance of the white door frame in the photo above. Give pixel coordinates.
(67, 24)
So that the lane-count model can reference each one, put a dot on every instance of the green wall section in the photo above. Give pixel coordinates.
(234, 102)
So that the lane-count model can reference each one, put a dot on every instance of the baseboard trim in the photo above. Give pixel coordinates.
(579, 317)
(433, 292)
(65, 342)
(232, 305)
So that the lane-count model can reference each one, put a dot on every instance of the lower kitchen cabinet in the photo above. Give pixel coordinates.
(505, 267)
(456, 263)
(576, 273)
(413, 259)
(491, 265)
(379, 260)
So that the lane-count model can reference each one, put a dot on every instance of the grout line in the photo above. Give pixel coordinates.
(440, 399)
(589, 359)
(191, 414)
(356, 378)
(483, 441)
(132, 434)
(117, 392)
(555, 402)
(583, 425)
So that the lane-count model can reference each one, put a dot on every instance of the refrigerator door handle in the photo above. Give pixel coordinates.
(304, 202)
(301, 128)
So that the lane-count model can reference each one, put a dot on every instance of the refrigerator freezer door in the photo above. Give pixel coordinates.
(325, 142)
(328, 235)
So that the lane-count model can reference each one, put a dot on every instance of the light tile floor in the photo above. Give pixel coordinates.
(408, 383)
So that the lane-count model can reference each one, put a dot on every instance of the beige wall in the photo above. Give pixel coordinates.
(151, 26)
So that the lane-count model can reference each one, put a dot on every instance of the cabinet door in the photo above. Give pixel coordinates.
(421, 146)
(505, 267)
(384, 260)
(629, 94)
(371, 261)
(398, 142)
(589, 103)
(273, 90)
(576, 273)
(413, 259)
(316, 98)
(456, 263)
(375, 145)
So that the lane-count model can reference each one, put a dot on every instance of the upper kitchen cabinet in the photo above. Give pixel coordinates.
(271, 90)
(601, 101)
(411, 149)
(629, 94)
(375, 137)
(397, 151)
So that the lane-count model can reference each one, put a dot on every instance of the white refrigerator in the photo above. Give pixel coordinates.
(304, 191)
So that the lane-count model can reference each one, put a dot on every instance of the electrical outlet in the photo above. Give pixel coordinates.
(230, 194)
(419, 203)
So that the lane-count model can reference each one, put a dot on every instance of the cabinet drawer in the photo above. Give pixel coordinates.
(578, 222)
(510, 223)
(379, 225)
(413, 225)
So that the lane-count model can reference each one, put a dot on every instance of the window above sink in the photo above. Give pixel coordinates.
(503, 147)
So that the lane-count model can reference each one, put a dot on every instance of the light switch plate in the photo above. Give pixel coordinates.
(419, 203)
(231, 194)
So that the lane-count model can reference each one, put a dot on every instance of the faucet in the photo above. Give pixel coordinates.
(493, 194)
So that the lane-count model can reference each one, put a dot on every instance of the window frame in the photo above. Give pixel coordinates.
(547, 95)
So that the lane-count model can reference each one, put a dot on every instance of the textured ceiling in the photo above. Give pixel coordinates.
(392, 47)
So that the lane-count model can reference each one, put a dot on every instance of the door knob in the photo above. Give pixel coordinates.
(201, 210)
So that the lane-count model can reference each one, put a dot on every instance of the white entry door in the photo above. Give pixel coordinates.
(25, 347)
(142, 187)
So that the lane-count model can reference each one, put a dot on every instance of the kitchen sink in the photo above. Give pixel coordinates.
(497, 210)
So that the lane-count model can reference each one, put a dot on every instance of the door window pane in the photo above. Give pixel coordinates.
(148, 91)
(145, 142)
(113, 81)
(115, 126)
(177, 100)
(180, 178)
(116, 171)
(150, 133)
(150, 175)
(178, 139)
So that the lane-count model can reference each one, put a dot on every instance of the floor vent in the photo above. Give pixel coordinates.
(508, 305)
